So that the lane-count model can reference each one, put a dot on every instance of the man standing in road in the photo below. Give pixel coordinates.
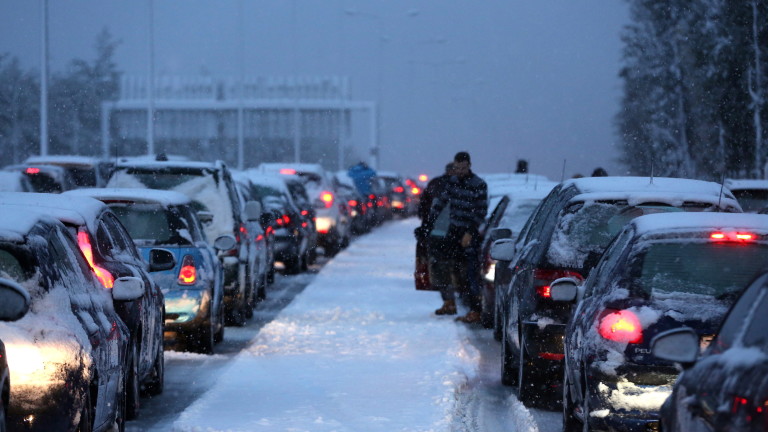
(466, 200)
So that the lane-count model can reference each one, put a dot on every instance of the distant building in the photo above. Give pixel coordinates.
(283, 119)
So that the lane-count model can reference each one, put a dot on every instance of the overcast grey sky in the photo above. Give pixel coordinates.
(502, 79)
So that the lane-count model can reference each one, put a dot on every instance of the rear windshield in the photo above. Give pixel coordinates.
(151, 224)
(517, 214)
(587, 228)
(752, 200)
(82, 176)
(717, 269)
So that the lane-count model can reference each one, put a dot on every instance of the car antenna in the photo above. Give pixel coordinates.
(722, 186)
(651, 172)
(562, 175)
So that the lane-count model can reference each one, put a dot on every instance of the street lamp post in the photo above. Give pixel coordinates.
(151, 83)
(44, 82)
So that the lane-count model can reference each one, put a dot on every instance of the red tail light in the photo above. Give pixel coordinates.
(621, 326)
(286, 219)
(304, 212)
(352, 203)
(188, 272)
(32, 170)
(542, 278)
(415, 190)
(104, 276)
(327, 198)
(733, 236)
(243, 230)
(288, 171)
(398, 189)
(259, 238)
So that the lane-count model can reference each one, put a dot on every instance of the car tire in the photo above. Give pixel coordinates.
(526, 390)
(261, 292)
(132, 385)
(508, 363)
(86, 413)
(570, 422)
(157, 380)
(271, 274)
(205, 339)
(250, 301)
(497, 323)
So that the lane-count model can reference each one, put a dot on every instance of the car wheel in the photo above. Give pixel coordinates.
(219, 325)
(86, 413)
(156, 383)
(570, 422)
(526, 390)
(132, 403)
(205, 339)
(271, 274)
(261, 293)
(250, 302)
(508, 364)
(497, 323)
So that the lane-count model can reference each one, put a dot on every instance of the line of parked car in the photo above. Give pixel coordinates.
(602, 290)
(108, 263)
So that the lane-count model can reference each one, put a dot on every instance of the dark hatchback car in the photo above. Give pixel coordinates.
(69, 355)
(111, 254)
(726, 389)
(15, 303)
(566, 236)
(661, 272)
(216, 200)
(193, 288)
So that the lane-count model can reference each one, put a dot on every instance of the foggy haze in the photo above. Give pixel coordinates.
(503, 80)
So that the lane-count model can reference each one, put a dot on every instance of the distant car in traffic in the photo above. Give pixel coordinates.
(751, 194)
(82, 171)
(193, 289)
(216, 200)
(661, 272)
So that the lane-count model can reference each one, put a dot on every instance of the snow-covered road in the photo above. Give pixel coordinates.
(361, 350)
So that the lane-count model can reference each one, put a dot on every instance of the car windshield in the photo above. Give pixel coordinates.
(154, 179)
(517, 214)
(151, 224)
(717, 269)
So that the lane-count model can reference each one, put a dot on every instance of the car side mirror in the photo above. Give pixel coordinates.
(679, 345)
(127, 288)
(500, 233)
(205, 217)
(252, 211)
(225, 242)
(14, 300)
(161, 259)
(564, 289)
(503, 249)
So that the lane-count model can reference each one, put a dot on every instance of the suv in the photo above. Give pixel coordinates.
(82, 171)
(216, 200)
(111, 254)
(331, 222)
(565, 236)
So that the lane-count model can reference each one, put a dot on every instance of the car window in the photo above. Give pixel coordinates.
(699, 266)
(603, 278)
(10, 267)
(191, 222)
(734, 322)
(147, 224)
(756, 332)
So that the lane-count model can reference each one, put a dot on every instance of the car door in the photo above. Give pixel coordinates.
(93, 307)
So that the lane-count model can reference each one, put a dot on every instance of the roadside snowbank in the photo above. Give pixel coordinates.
(358, 350)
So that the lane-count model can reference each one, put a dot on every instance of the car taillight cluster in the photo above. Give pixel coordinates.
(327, 198)
(750, 411)
(398, 189)
(188, 271)
(104, 276)
(621, 326)
(732, 236)
(32, 170)
(543, 278)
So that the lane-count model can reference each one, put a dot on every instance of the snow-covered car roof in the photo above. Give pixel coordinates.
(513, 178)
(13, 181)
(739, 184)
(637, 190)
(14, 226)
(76, 210)
(275, 167)
(64, 159)
(150, 164)
(272, 180)
(153, 196)
(661, 222)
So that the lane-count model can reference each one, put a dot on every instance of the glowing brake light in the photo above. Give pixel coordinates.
(288, 171)
(188, 272)
(327, 198)
(423, 178)
(742, 236)
(104, 276)
(286, 219)
(415, 190)
(352, 203)
(398, 189)
(621, 326)
(32, 170)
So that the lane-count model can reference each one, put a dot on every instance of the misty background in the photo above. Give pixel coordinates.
(503, 80)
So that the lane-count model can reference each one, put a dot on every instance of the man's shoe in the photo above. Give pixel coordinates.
(471, 317)
(448, 308)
